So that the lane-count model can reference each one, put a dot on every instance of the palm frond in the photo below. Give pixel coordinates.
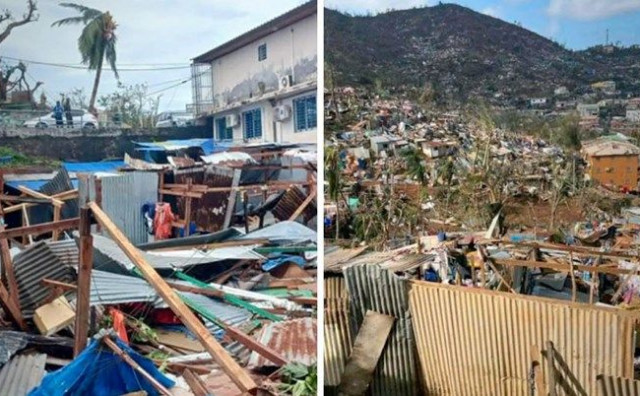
(110, 55)
(90, 44)
(68, 21)
(87, 14)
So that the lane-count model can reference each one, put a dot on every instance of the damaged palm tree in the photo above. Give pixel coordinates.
(96, 43)
(333, 173)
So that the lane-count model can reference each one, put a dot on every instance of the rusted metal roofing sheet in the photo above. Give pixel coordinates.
(373, 288)
(474, 342)
(335, 257)
(21, 374)
(209, 211)
(290, 202)
(617, 386)
(338, 338)
(295, 340)
(32, 265)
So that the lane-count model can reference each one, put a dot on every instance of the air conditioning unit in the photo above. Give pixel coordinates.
(232, 120)
(282, 112)
(285, 81)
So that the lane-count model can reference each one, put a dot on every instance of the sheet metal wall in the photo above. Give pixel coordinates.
(617, 386)
(338, 339)
(479, 342)
(123, 197)
(372, 288)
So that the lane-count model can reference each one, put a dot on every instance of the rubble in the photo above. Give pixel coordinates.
(218, 294)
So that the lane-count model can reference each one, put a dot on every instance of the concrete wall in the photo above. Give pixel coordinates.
(240, 75)
(91, 145)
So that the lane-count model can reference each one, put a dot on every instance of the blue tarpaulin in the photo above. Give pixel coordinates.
(276, 262)
(207, 145)
(97, 371)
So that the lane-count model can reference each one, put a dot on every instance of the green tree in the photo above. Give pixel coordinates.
(332, 174)
(415, 164)
(96, 43)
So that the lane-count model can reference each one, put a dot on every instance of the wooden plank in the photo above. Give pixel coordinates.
(85, 265)
(303, 206)
(536, 366)
(367, 349)
(56, 218)
(55, 283)
(182, 193)
(196, 384)
(25, 219)
(7, 267)
(11, 308)
(187, 210)
(116, 349)
(564, 267)
(251, 343)
(231, 202)
(551, 368)
(64, 196)
(40, 228)
(36, 194)
(237, 374)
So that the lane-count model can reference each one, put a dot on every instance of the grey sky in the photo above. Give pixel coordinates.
(149, 32)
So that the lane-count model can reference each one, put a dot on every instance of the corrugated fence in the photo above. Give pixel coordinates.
(616, 386)
(379, 290)
(338, 339)
(478, 342)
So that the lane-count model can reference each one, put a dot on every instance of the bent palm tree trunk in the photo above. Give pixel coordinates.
(96, 83)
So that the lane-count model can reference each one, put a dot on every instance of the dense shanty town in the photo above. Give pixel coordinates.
(480, 248)
(173, 259)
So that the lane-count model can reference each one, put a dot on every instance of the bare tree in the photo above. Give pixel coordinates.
(7, 18)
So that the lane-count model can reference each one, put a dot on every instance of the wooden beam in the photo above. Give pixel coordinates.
(12, 309)
(196, 384)
(56, 218)
(187, 209)
(116, 349)
(64, 196)
(237, 374)
(196, 290)
(36, 194)
(85, 265)
(180, 193)
(38, 229)
(303, 206)
(231, 202)
(54, 283)
(562, 267)
(7, 266)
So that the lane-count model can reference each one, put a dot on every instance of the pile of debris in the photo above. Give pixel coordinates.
(109, 288)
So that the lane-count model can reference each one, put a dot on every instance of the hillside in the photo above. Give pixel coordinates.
(462, 53)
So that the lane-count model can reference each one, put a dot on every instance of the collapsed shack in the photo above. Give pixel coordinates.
(95, 276)
(520, 313)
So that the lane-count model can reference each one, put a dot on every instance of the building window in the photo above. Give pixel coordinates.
(252, 124)
(262, 52)
(224, 132)
(305, 115)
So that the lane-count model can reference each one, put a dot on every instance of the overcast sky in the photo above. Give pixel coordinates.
(149, 32)
(576, 23)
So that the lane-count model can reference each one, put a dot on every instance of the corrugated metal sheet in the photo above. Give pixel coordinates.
(123, 197)
(284, 232)
(65, 250)
(372, 288)
(31, 266)
(61, 183)
(108, 288)
(108, 255)
(617, 386)
(21, 374)
(231, 315)
(290, 202)
(479, 342)
(335, 257)
(338, 338)
(295, 340)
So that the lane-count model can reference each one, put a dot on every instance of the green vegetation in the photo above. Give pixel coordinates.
(20, 160)
(299, 380)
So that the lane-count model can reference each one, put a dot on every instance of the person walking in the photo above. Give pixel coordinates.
(67, 112)
(58, 112)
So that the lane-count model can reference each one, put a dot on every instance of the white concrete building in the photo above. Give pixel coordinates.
(261, 86)
(633, 115)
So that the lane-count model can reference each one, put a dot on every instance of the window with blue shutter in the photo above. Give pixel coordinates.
(224, 133)
(262, 52)
(252, 124)
(305, 114)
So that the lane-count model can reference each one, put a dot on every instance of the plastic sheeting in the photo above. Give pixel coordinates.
(97, 371)
(276, 262)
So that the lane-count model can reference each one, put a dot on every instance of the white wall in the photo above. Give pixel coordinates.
(633, 115)
(291, 50)
(272, 131)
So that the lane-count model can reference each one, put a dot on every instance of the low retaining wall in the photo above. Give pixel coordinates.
(89, 145)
